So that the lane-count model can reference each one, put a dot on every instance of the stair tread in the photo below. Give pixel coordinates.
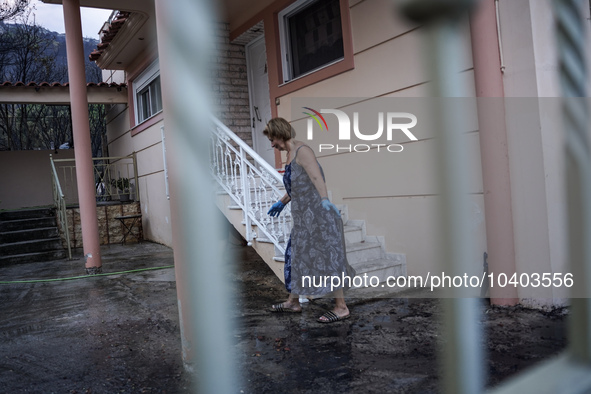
(51, 254)
(366, 253)
(40, 229)
(375, 264)
(348, 228)
(27, 213)
(27, 219)
(357, 246)
(33, 241)
(34, 253)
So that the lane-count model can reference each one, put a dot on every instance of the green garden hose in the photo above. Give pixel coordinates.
(83, 276)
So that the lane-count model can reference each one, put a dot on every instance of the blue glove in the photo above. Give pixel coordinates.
(276, 209)
(328, 206)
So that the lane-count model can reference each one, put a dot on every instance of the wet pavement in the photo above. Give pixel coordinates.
(120, 333)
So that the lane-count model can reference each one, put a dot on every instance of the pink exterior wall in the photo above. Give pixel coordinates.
(25, 178)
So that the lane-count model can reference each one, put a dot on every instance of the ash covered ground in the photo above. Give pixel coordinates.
(121, 333)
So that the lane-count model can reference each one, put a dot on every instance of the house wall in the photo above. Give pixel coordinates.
(230, 85)
(155, 205)
(230, 95)
(395, 193)
(25, 179)
(534, 130)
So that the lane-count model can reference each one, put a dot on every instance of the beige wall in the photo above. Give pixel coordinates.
(395, 193)
(534, 132)
(25, 178)
(152, 189)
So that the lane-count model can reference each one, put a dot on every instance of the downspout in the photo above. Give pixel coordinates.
(81, 131)
(498, 17)
(488, 78)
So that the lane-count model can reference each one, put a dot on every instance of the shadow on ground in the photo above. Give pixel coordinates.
(120, 333)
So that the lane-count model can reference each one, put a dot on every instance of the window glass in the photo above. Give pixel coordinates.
(148, 96)
(313, 37)
(155, 95)
(143, 100)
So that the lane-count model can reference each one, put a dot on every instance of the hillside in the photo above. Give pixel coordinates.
(44, 50)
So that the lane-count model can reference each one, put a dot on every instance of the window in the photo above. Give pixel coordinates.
(147, 93)
(149, 100)
(311, 37)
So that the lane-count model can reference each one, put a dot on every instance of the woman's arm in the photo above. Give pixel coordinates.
(307, 160)
(285, 199)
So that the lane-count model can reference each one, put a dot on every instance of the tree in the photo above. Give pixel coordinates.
(12, 8)
(28, 53)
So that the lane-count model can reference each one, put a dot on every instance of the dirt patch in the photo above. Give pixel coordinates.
(388, 345)
(121, 334)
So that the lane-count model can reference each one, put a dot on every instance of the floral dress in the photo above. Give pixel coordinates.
(315, 252)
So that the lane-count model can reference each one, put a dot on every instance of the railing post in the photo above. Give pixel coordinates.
(462, 350)
(570, 30)
(204, 295)
(64, 220)
(59, 203)
(245, 184)
(246, 163)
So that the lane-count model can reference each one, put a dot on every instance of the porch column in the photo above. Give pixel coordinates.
(493, 148)
(81, 130)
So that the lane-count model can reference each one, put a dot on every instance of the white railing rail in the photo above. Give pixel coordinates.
(252, 183)
(116, 178)
(59, 201)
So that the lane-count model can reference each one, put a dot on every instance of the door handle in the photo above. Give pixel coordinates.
(256, 111)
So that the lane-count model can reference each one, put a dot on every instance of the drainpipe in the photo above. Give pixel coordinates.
(81, 131)
(493, 148)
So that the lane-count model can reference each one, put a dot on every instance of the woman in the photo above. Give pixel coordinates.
(315, 252)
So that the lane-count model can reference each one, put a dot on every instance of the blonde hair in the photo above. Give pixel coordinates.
(279, 128)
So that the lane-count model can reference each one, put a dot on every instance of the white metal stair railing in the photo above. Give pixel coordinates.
(251, 183)
(59, 201)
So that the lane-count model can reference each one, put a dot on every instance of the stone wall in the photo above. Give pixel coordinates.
(111, 229)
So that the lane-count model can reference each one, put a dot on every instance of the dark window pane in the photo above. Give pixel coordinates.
(315, 36)
(155, 95)
(144, 104)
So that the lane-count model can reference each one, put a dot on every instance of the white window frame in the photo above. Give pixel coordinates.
(144, 79)
(284, 41)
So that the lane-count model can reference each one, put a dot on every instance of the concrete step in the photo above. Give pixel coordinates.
(37, 245)
(353, 234)
(26, 214)
(363, 251)
(28, 235)
(393, 265)
(26, 224)
(33, 257)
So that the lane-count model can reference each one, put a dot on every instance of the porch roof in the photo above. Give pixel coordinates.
(59, 94)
